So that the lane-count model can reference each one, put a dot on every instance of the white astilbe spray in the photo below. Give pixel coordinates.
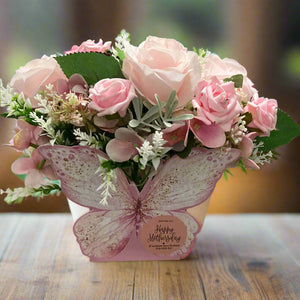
(260, 157)
(56, 137)
(6, 93)
(85, 139)
(121, 40)
(17, 194)
(238, 130)
(153, 152)
(107, 186)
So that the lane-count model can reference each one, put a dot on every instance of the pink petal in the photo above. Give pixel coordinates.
(120, 151)
(35, 179)
(36, 157)
(250, 164)
(128, 135)
(22, 165)
(49, 173)
(211, 136)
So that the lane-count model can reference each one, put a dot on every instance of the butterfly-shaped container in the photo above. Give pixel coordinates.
(149, 225)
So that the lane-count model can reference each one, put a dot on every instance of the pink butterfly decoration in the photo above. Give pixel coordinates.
(111, 232)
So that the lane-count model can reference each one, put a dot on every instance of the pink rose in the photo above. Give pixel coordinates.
(158, 66)
(217, 103)
(264, 114)
(111, 96)
(225, 68)
(35, 75)
(90, 46)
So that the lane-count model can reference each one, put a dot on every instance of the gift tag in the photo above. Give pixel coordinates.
(163, 235)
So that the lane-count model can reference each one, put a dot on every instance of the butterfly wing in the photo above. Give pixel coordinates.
(184, 183)
(76, 168)
(104, 234)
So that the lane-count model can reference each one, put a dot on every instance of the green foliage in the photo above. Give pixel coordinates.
(157, 117)
(47, 190)
(20, 109)
(237, 79)
(286, 130)
(110, 165)
(93, 66)
(226, 173)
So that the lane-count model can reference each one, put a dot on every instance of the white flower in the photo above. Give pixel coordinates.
(154, 152)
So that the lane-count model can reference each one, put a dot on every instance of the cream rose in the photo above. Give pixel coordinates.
(158, 66)
(111, 96)
(35, 75)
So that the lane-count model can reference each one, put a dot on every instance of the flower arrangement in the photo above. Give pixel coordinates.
(140, 106)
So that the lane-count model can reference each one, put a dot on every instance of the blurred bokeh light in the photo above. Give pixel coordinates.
(264, 36)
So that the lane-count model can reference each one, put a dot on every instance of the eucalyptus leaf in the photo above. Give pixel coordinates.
(183, 117)
(152, 112)
(134, 123)
(138, 107)
(171, 104)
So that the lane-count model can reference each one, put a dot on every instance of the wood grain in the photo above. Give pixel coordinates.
(235, 257)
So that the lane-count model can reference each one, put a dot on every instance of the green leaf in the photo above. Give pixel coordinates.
(286, 130)
(190, 143)
(171, 104)
(93, 66)
(237, 79)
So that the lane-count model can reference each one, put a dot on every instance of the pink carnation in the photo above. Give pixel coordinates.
(90, 46)
(264, 114)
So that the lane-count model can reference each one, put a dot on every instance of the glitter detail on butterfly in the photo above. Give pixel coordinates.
(106, 230)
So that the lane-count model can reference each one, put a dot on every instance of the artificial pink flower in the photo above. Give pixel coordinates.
(264, 114)
(177, 133)
(27, 134)
(246, 146)
(211, 136)
(35, 75)
(217, 103)
(35, 173)
(90, 46)
(123, 146)
(225, 68)
(158, 66)
(111, 96)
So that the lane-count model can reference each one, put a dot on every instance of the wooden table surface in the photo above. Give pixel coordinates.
(248, 256)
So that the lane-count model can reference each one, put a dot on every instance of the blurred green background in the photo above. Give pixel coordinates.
(263, 35)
